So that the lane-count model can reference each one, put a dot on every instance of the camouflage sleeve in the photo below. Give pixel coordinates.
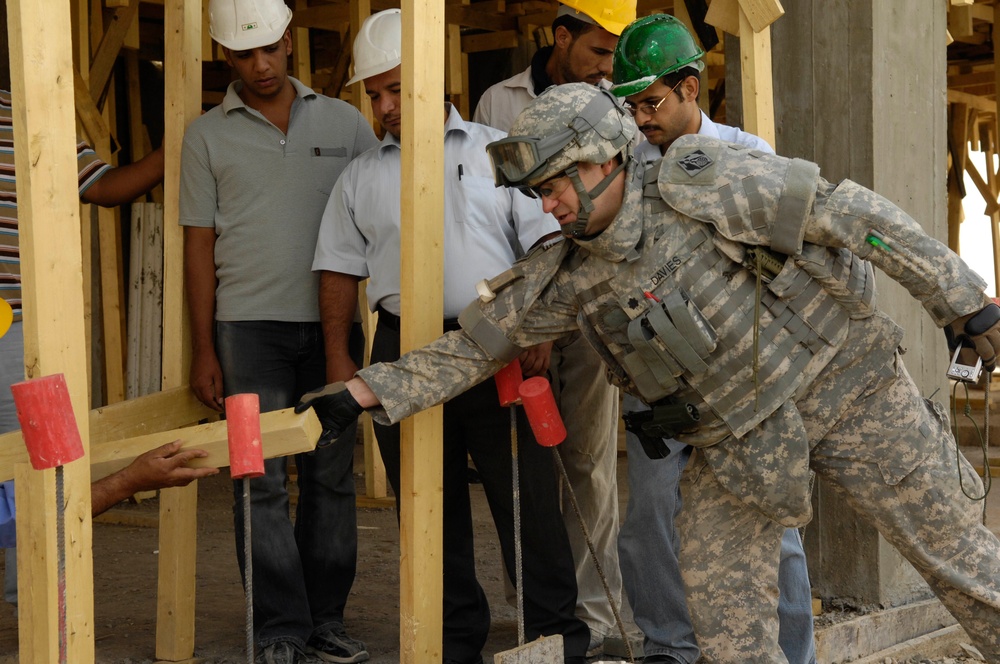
(755, 198)
(439, 371)
(527, 305)
(851, 216)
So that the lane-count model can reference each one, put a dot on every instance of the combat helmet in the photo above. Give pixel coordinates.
(564, 125)
(651, 48)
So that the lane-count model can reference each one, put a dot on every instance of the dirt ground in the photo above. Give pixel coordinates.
(125, 562)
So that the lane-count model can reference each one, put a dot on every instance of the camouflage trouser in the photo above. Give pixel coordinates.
(891, 455)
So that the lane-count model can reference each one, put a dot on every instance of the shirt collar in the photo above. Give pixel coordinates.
(619, 240)
(453, 123)
(232, 99)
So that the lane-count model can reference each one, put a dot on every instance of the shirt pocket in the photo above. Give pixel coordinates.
(325, 166)
(481, 201)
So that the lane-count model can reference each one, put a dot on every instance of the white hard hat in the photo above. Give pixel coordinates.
(378, 46)
(241, 25)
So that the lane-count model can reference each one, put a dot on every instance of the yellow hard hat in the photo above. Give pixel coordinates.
(6, 316)
(612, 15)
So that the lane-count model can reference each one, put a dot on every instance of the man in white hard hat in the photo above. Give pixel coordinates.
(485, 229)
(256, 173)
(584, 33)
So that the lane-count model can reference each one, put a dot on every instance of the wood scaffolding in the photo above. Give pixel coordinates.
(100, 58)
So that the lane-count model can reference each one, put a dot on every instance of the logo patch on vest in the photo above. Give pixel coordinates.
(694, 162)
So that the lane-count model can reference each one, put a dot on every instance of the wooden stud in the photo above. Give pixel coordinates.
(960, 21)
(761, 13)
(301, 58)
(489, 41)
(54, 339)
(37, 573)
(421, 243)
(107, 51)
(178, 532)
(758, 95)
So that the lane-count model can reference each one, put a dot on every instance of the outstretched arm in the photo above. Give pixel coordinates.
(164, 467)
(126, 183)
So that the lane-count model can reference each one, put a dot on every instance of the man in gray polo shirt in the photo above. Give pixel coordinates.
(256, 173)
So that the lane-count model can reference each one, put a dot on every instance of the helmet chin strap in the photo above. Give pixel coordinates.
(577, 228)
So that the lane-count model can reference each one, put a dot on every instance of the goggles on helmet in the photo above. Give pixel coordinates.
(518, 158)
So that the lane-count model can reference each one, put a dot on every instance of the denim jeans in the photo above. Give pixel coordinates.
(476, 425)
(11, 371)
(648, 544)
(302, 573)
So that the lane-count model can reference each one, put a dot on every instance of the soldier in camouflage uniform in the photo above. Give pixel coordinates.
(739, 284)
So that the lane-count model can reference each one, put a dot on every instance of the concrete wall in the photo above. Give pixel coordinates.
(859, 88)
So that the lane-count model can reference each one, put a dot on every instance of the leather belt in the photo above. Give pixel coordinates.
(391, 321)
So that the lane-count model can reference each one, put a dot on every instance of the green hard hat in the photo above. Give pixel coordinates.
(649, 49)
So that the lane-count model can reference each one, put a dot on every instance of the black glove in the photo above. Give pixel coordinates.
(978, 335)
(335, 407)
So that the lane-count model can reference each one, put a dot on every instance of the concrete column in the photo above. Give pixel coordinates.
(859, 88)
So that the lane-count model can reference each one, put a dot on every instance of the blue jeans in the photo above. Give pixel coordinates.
(302, 574)
(11, 371)
(648, 545)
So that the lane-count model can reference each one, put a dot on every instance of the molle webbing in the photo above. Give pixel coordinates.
(848, 279)
(794, 206)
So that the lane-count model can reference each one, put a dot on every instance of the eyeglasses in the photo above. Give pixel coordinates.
(551, 188)
(648, 108)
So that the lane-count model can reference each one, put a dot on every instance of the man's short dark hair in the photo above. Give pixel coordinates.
(575, 26)
(673, 78)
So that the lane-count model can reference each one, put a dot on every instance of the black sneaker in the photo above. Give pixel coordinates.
(282, 652)
(332, 644)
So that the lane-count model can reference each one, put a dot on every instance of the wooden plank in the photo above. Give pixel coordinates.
(178, 540)
(960, 21)
(301, 58)
(422, 294)
(111, 44)
(90, 116)
(42, 80)
(171, 409)
(334, 16)
(758, 95)
(283, 433)
(37, 572)
(467, 16)
(490, 41)
(725, 15)
(761, 13)
(984, 189)
(973, 101)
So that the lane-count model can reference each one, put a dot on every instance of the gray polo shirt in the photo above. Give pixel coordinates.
(264, 193)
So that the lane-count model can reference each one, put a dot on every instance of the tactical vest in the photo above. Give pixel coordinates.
(689, 318)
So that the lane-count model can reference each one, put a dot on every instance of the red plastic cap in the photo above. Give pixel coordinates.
(508, 380)
(246, 456)
(543, 414)
(47, 422)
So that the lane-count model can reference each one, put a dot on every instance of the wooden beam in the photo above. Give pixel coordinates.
(990, 197)
(161, 411)
(301, 58)
(283, 433)
(960, 21)
(421, 295)
(334, 16)
(760, 13)
(755, 71)
(111, 44)
(973, 101)
(40, 42)
(90, 116)
(178, 507)
(725, 15)
(490, 41)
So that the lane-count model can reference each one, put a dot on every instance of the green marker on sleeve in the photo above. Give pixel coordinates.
(876, 240)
